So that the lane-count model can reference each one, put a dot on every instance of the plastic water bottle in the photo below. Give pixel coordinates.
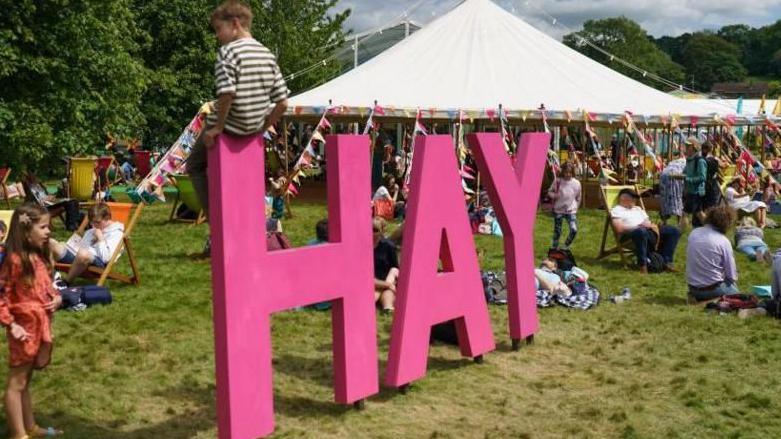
(625, 296)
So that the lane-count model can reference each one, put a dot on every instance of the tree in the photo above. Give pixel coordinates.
(710, 59)
(625, 39)
(69, 76)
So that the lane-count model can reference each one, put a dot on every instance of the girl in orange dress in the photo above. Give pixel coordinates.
(27, 302)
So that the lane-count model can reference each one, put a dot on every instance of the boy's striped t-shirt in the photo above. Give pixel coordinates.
(249, 70)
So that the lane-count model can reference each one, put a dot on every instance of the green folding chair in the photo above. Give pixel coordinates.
(185, 194)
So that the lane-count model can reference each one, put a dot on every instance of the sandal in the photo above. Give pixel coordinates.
(45, 432)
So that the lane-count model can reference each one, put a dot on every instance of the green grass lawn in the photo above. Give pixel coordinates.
(143, 367)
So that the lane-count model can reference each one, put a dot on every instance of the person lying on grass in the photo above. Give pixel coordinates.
(97, 245)
(749, 239)
(547, 278)
(631, 222)
(386, 267)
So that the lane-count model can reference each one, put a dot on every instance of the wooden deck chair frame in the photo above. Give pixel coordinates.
(5, 216)
(103, 274)
(4, 173)
(108, 161)
(610, 198)
(178, 201)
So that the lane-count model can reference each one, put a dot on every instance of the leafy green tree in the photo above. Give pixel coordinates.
(625, 39)
(69, 75)
(710, 59)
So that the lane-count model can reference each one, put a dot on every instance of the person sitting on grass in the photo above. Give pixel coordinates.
(739, 199)
(547, 278)
(321, 233)
(631, 222)
(97, 245)
(749, 239)
(386, 267)
(710, 263)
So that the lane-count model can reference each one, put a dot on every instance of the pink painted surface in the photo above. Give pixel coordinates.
(437, 227)
(250, 283)
(514, 190)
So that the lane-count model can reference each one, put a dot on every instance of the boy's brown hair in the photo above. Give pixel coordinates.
(231, 9)
(99, 212)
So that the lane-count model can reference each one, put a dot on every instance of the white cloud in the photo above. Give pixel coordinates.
(659, 17)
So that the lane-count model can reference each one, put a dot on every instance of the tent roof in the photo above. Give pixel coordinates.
(479, 56)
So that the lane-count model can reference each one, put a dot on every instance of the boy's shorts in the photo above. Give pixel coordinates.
(69, 258)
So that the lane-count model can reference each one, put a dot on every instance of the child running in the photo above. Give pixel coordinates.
(565, 193)
(27, 302)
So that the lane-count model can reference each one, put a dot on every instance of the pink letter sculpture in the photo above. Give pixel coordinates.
(250, 283)
(515, 193)
(437, 228)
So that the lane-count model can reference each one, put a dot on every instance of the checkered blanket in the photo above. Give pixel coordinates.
(583, 297)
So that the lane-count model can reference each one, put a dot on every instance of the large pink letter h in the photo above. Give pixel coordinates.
(250, 283)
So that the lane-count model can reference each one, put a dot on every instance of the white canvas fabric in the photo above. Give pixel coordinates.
(479, 56)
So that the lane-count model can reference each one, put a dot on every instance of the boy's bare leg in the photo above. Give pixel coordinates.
(80, 264)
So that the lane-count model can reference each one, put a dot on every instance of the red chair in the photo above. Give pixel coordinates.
(143, 162)
(103, 170)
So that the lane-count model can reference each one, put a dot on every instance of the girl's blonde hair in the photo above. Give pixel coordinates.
(18, 240)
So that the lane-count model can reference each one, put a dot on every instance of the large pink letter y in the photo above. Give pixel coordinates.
(515, 193)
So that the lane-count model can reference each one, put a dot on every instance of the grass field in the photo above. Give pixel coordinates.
(653, 367)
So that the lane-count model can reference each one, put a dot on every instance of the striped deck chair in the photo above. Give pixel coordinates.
(143, 163)
(610, 199)
(185, 194)
(127, 214)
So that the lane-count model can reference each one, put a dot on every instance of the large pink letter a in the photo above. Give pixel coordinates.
(437, 229)
(250, 283)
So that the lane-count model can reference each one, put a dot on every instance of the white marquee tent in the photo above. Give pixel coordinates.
(479, 56)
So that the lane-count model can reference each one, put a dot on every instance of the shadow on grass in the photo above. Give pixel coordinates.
(665, 300)
(200, 417)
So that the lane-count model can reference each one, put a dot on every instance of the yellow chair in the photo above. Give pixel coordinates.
(185, 194)
(81, 178)
(5, 216)
(610, 199)
(727, 174)
(127, 214)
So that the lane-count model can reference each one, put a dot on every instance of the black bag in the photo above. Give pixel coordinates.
(87, 295)
(495, 287)
(656, 263)
(564, 258)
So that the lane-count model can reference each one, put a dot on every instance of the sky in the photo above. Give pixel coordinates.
(657, 17)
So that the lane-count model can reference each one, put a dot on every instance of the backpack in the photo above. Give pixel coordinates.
(734, 302)
(495, 287)
(656, 263)
(277, 241)
(564, 258)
